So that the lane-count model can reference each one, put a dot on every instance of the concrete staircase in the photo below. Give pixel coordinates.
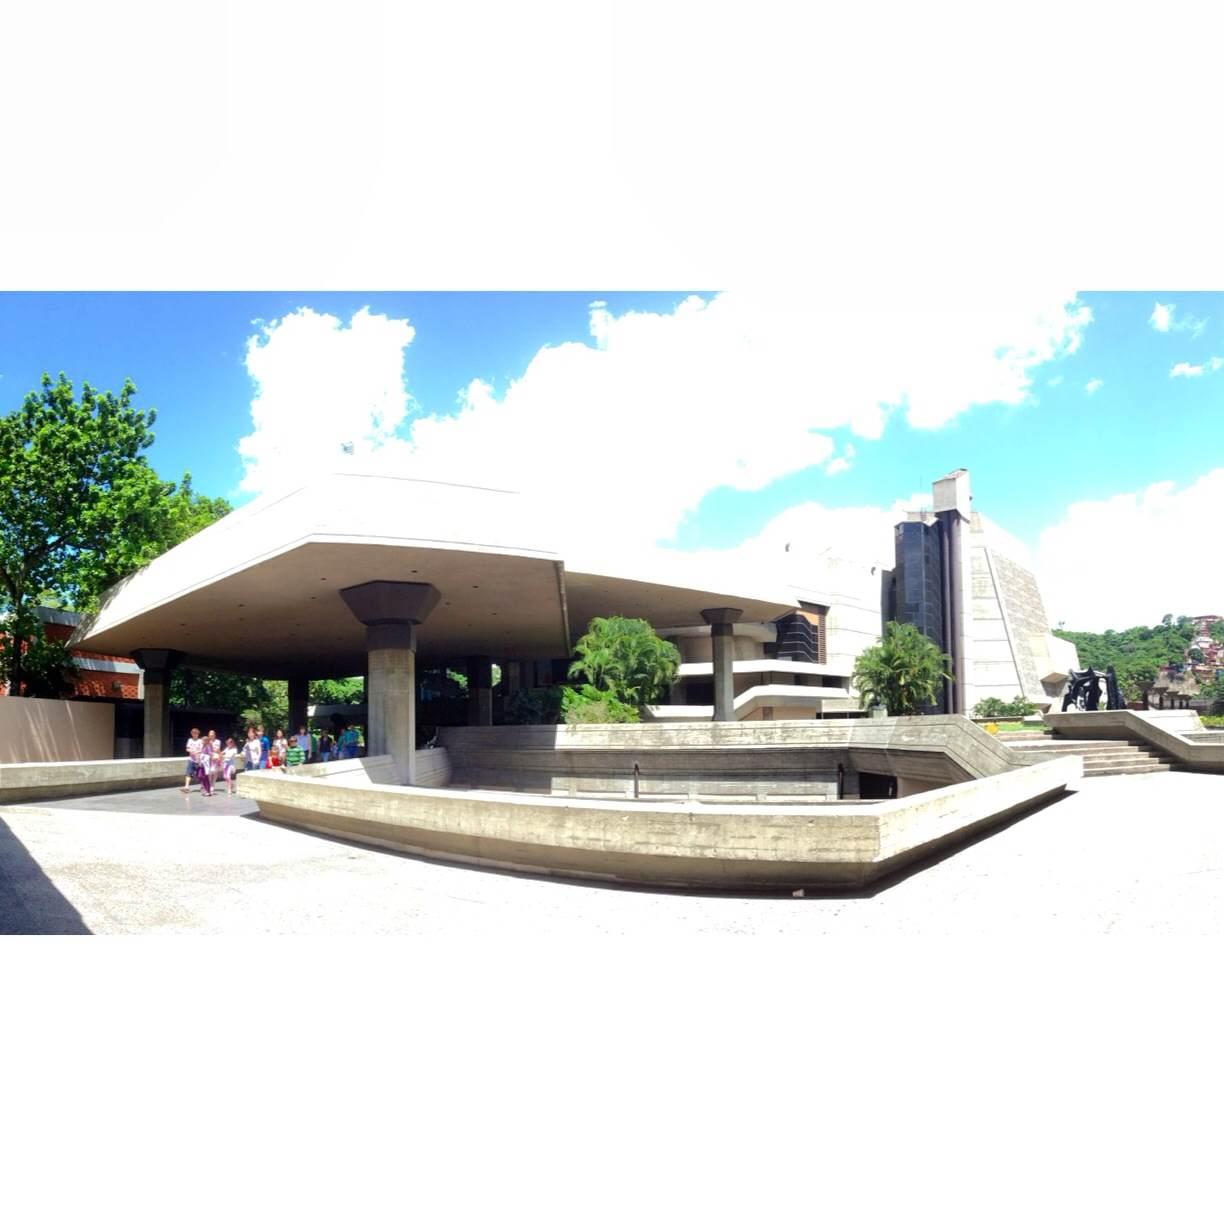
(1101, 757)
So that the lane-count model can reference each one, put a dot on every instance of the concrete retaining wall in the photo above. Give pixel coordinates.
(35, 731)
(757, 761)
(682, 845)
(32, 783)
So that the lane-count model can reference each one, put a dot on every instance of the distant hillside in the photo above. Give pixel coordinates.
(1193, 642)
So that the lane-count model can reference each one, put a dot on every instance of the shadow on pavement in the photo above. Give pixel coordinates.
(29, 903)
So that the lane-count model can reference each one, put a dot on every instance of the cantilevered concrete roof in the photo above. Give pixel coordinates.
(258, 592)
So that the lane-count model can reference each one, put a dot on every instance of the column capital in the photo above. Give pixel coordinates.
(155, 661)
(721, 616)
(391, 603)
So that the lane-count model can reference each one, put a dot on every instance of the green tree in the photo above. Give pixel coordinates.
(625, 658)
(337, 692)
(1216, 631)
(80, 507)
(46, 667)
(903, 673)
(1135, 678)
(195, 687)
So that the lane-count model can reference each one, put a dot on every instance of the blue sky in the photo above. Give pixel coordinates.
(700, 429)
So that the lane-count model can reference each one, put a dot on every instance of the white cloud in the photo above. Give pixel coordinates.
(842, 462)
(735, 392)
(321, 385)
(1183, 369)
(1053, 382)
(1162, 320)
(1093, 385)
(1129, 559)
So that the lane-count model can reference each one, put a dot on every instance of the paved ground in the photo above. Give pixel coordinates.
(1143, 853)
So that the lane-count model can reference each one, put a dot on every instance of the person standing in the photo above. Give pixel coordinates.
(325, 747)
(252, 750)
(302, 740)
(267, 744)
(215, 748)
(229, 758)
(193, 756)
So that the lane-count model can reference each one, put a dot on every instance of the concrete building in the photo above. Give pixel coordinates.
(955, 580)
(396, 579)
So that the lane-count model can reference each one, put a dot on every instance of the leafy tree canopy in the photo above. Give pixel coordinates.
(337, 692)
(903, 673)
(80, 507)
(625, 658)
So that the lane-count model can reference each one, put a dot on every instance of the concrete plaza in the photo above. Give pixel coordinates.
(1119, 854)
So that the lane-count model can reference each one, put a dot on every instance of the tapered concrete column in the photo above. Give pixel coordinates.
(480, 691)
(299, 691)
(158, 666)
(391, 612)
(722, 631)
(512, 676)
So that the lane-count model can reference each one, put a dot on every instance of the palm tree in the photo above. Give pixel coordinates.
(903, 673)
(626, 658)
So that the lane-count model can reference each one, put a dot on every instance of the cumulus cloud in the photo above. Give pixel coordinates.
(1093, 385)
(324, 390)
(1162, 320)
(1183, 369)
(735, 392)
(732, 392)
(1131, 558)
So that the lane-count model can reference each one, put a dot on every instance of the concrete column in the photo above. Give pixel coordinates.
(512, 676)
(480, 691)
(299, 690)
(722, 633)
(391, 612)
(158, 666)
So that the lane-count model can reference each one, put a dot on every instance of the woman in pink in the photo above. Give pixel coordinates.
(200, 755)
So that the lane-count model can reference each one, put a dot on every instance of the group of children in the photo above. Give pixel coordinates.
(208, 758)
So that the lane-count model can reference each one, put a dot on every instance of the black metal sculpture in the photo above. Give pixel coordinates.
(1084, 690)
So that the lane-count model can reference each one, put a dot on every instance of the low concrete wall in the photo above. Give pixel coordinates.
(680, 845)
(31, 783)
(1176, 732)
(753, 761)
(35, 731)
(432, 764)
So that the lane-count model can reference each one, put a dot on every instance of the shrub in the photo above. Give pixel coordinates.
(592, 705)
(624, 656)
(996, 707)
(903, 673)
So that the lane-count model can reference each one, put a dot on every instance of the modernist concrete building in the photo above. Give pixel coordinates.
(955, 580)
(358, 573)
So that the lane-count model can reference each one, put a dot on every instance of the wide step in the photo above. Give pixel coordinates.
(1100, 757)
